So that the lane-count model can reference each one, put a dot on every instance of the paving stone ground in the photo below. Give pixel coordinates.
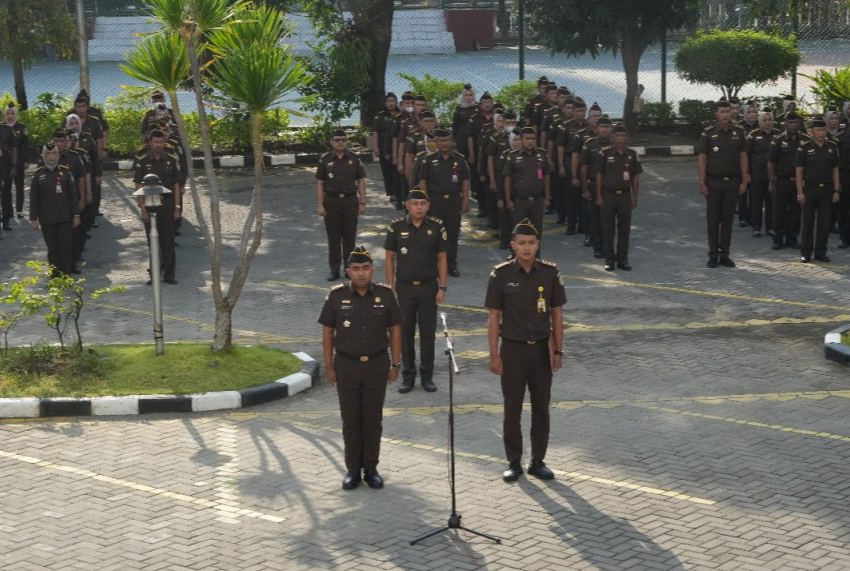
(695, 425)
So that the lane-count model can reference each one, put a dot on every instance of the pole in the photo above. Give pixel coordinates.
(795, 28)
(521, 25)
(664, 66)
(84, 46)
(156, 279)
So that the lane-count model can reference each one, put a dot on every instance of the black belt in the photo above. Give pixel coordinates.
(446, 196)
(417, 282)
(340, 194)
(535, 342)
(818, 184)
(361, 358)
(527, 197)
(724, 178)
(615, 190)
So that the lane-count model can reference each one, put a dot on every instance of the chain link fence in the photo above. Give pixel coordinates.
(471, 41)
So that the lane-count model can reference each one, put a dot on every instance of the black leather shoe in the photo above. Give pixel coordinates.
(93, 224)
(7, 228)
(538, 468)
(406, 386)
(743, 224)
(351, 480)
(561, 220)
(833, 229)
(712, 263)
(609, 267)
(588, 241)
(513, 472)
(429, 385)
(625, 267)
(76, 270)
(756, 234)
(598, 254)
(777, 245)
(454, 273)
(171, 281)
(727, 262)
(149, 282)
(571, 230)
(824, 258)
(805, 259)
(842, 245)
(549, 210)
(373, 479)
(20, 215)
(333, 276)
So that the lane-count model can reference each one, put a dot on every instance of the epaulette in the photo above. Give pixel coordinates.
(63, 167)
(382, 284)
(397, 220)
(542, 149)
(503, 264)
(435, 219)
(325, 155)
(40, 168)
(549, 263)
(807, 141)
(337, 286)
(709, 128)
(420, 153)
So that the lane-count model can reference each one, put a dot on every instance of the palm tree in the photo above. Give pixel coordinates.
(252, 69)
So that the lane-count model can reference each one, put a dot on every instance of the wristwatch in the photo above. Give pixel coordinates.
(396, 365)
(444, 288)
(559, 353)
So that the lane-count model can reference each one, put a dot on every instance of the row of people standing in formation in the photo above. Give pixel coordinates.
(544, 161)
(65, 195)
(780, 174)
(362, 319)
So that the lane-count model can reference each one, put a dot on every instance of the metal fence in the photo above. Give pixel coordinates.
(472, 41)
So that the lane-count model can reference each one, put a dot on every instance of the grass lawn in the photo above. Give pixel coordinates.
(117, 370)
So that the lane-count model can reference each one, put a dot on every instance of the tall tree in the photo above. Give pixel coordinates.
(27, 29)
(627, 27)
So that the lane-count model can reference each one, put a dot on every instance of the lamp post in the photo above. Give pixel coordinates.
(150, 195)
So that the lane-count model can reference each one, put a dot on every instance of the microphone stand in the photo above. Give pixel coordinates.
(454, 519)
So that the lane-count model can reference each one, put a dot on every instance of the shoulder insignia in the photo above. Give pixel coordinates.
(338, 286)
(397, 220)
(63, 168)
(39, 169)
(503, 264)
(709, 128)
(549, 263)
(434, 219)
(382, 284)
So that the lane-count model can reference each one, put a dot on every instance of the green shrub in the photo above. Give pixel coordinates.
(42, 118)
(695, 112)
(658, 115)
(442, 94)
(515, 95)
(730, 59)
(831, 89)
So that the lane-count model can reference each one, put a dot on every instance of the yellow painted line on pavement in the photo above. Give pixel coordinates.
(751, 423)
(495, 460)
(90, 475)
(706, 293)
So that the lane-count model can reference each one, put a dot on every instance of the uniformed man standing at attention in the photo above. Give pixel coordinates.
(526, 173)
(382, 141)
(165, 166)
(341, 198)
(617, 182)
(723, 176)
(525, 298)
(359, 320)
(781, 169)
(528, 112)
(758, 151)
(54, 209)
(818, 188)
(417, 270)
(445, 177)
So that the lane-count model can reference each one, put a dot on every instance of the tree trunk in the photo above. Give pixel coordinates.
(246, 253)
(20, 88)
(631, 52)
(377, 25)
(223, 329)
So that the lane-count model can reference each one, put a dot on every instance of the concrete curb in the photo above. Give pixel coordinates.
(833, 348)
(307, 159)
(146, 404)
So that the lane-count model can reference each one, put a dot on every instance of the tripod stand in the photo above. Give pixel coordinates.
(454, 519)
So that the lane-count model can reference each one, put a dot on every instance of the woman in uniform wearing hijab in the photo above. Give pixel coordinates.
(54, 209)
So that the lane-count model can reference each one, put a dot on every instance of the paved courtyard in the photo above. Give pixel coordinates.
(695, 426)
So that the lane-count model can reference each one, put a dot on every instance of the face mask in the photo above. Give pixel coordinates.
(409, 109)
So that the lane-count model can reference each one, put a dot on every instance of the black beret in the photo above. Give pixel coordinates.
(734, 99)
(467, 86)
(604, 120)
(498, 106)
(542, 81)
(563, 91)
(551, 87)
(486, 95)
(426, 114)
(721, 104)
(155, 133)
(157, 95)
(832, 110)
(526, 228)
(407, 96)
(83, 94)
(817, 123)
(595, 107)
(60, 134)
(420, 98)
(579, 102)
(339, 133)
(528, 131)
(10, 105)
(358, 255)
(81, 100)
(517, 131)
(442, 132)
(509, 115)
(417, 193)
(618, 128)
(767, 110)
(570, 101)
(390, 94)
